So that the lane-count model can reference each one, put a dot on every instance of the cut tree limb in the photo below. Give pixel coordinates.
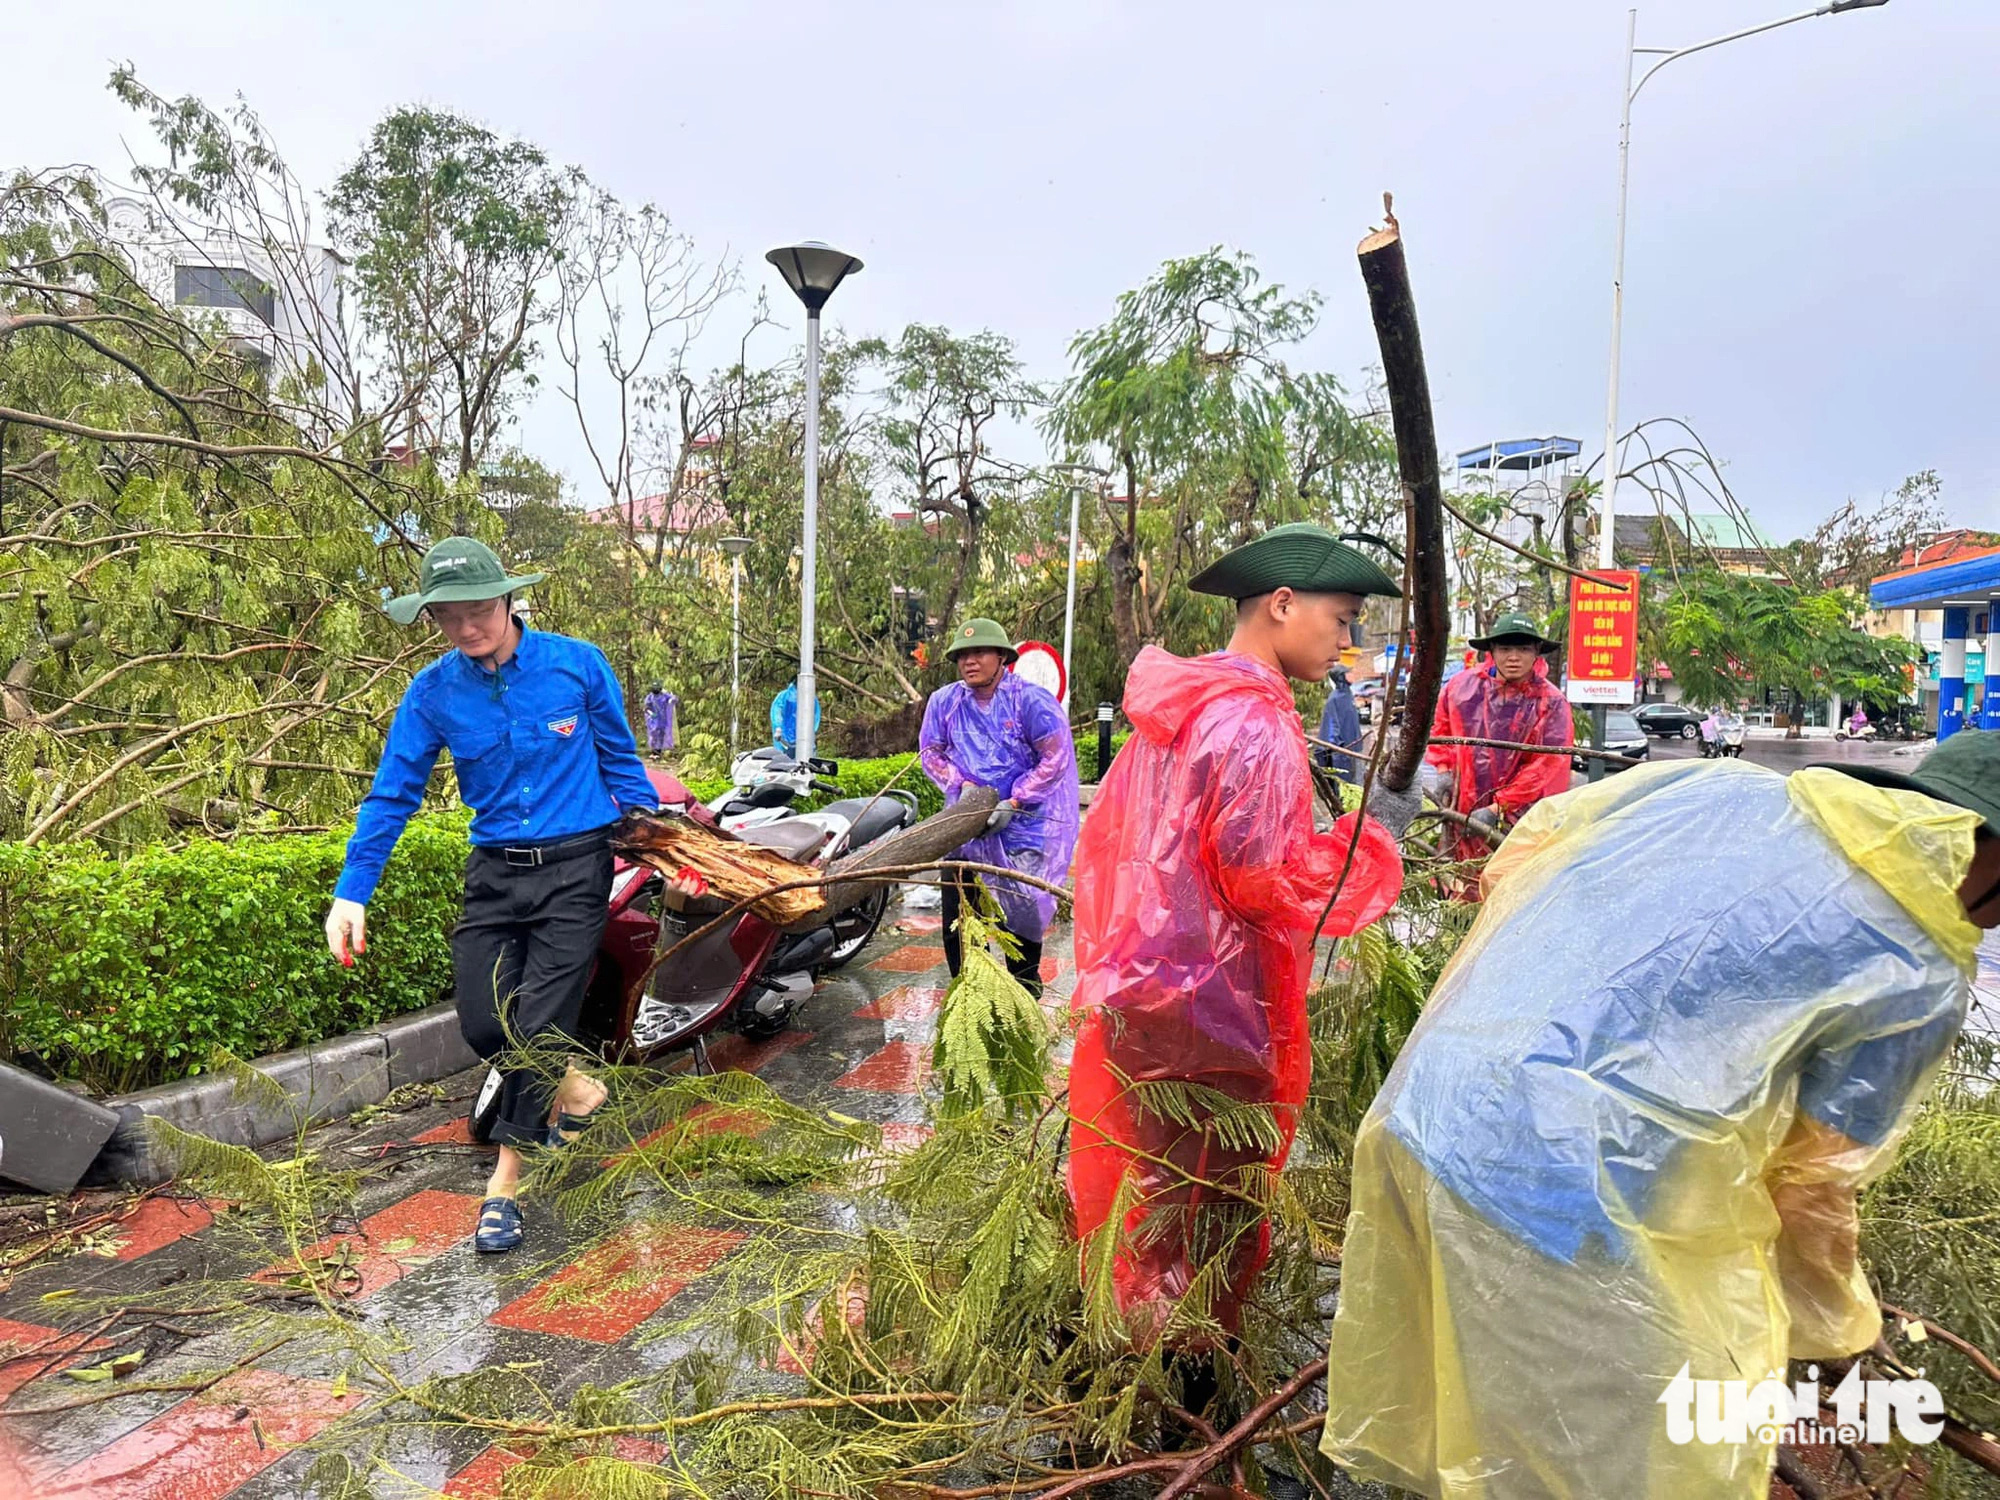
(928, 841)
(1387, 276)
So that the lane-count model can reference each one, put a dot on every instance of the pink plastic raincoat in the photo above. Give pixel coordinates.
(1199, 884)
(1478, 705)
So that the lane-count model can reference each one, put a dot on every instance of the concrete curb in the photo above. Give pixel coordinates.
(314, 1084)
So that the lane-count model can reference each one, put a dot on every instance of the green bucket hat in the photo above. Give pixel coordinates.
(980, 632)
(1513, 627)
(1964, 771)
(1298, 556)
(458, 569)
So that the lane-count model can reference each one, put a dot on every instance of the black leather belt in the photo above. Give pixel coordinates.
(534, 856)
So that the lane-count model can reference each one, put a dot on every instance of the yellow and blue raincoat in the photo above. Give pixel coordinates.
(1697, 1012)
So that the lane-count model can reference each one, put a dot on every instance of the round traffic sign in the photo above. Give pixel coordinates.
(1042, 665)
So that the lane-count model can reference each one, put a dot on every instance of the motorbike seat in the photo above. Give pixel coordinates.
(867, 823)
(789, 836)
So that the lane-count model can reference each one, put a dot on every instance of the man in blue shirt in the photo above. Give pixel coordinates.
(538, 737)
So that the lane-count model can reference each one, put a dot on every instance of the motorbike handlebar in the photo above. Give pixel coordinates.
(826, 786)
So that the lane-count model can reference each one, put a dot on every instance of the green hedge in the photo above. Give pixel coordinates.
(119, 974)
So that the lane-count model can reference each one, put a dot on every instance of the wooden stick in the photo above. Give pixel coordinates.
(1387, 276)
(1459, 739)
(1945, 1336)
(1243, 1432)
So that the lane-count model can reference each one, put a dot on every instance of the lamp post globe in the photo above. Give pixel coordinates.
(813, 271)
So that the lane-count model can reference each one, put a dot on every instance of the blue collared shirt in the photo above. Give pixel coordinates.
(541, 748)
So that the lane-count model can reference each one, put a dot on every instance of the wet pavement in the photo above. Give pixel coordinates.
(572, 1309)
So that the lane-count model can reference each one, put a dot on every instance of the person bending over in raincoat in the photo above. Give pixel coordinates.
(1510, 698)
(1200, 886)
(991, 728)
(1697, 1012)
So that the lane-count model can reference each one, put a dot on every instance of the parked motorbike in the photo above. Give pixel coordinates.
(743, 976)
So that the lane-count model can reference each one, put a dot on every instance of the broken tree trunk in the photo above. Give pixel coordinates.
(925, 843)
(1387, 276)
(734, 868)
(744, 871)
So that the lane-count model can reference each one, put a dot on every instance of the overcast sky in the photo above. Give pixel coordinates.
(1815, 229)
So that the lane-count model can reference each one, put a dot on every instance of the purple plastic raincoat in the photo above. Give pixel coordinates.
(660, 714)
(1018, 743)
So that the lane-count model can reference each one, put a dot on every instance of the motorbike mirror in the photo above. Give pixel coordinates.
(824, 767)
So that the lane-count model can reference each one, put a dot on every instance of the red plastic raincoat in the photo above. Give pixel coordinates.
(1199, 882)
(1479, 705)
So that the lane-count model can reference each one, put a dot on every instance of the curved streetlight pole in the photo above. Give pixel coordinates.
(1608, 523)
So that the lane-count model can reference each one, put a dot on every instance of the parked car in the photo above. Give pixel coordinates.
(1669, 720)
(1622, 736)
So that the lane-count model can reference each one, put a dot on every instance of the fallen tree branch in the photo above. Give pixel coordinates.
(1979, 1357)
(1243, 1433)
(1533, 557)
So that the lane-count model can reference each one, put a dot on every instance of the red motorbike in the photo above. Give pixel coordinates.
(744, 975)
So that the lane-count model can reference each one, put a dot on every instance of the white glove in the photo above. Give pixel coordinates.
(1394, 810)
(347, 928)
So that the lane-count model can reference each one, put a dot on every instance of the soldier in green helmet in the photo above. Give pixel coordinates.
(1508, 697)
(1201, 886)
(992, 728)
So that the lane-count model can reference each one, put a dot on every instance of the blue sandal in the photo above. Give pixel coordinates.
(574, 1125)
(500, 1228)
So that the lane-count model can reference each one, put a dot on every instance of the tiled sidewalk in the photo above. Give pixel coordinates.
(861, 1045)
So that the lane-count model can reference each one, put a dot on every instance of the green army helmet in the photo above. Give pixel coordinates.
(1514, 626)
(981, 632)
(1298, 556)
(1964, 770)
(458, 570)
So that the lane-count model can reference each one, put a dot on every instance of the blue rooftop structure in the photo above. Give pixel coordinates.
(1521, 453)
(1966, 589)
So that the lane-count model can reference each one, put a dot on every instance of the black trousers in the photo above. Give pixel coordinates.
(1027, 968)
(521, 957)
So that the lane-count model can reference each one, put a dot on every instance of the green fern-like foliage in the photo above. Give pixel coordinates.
(993, 1040)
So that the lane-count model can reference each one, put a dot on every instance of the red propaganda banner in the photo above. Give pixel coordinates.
(1603, 637)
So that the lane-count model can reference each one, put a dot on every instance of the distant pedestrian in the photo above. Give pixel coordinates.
(1340, 724)
(785, 718)
(662, 708)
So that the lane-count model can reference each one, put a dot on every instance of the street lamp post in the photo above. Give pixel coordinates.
(735, 546)
(812, 270)
(1630, 92)
(1069, 601)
